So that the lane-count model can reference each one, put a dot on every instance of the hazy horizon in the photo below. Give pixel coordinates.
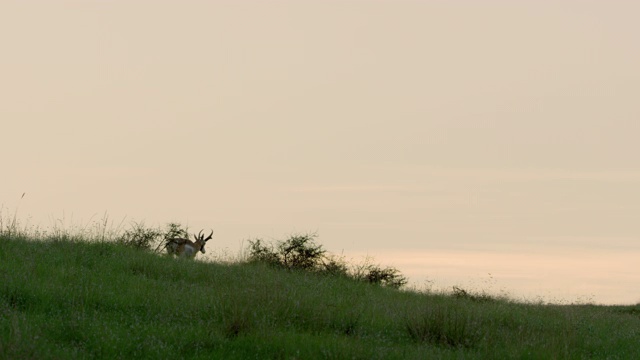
(451, 139)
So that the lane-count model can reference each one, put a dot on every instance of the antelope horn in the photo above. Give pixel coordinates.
(209, 237)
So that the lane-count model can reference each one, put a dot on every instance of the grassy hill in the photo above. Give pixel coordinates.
(80, 299)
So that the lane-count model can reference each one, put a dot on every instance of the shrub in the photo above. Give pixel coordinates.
(259, 252)
(141, 237)
(388, 276)
(302, 253)
(175, 230)
(334, 266)
(375, 274)
(297, 252)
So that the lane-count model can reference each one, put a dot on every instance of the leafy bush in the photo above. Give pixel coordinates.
(141, 237)
(375, 274)
(175, 230)
(259, 252)
(334, 266)
(297, 252)
(385, 276)
(302, 253)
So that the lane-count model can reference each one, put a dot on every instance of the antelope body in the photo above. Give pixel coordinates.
(187, 248)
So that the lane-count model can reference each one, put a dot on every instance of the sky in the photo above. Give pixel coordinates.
(485, 144)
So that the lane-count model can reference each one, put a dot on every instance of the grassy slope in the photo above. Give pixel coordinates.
(61, 299)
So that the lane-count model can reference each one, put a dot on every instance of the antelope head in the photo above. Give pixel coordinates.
(201, 241)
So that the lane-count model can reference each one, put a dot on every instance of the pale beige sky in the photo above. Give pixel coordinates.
(390, 127)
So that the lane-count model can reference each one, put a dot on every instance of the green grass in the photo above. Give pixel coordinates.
(65, 299)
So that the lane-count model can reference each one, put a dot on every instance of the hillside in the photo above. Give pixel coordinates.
(79, 299)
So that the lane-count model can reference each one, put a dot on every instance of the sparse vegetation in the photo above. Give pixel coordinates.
(63, 297)
(449, 325)
(461, 293)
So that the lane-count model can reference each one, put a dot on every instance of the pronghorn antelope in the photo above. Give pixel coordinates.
(187, 248)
